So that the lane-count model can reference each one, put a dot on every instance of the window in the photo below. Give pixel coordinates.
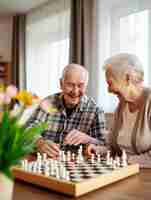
(122, 27)
(134, 37)
(47, 46)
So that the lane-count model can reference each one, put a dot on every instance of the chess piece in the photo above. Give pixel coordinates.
(117, 161)
(44, 157)
(124, 159)
(108, 161)
(98, 158)
(92, 158)
(25, 164)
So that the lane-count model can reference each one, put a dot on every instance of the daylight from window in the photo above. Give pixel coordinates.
(134, 37)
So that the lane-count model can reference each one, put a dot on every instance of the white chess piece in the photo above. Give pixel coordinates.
(92, 158)
(44, 157)
(35, 167)
(68, 156)
(108, 162)
(117, 161)
(73, 156)
(124, 159)
(98, 158)
(114, 164)
(67, 176)
(25, 164)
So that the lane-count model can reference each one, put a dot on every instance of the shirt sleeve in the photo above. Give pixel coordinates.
(98, 128)
(37, 117)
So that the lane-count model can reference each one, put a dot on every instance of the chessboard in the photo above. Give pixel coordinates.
(74, 175)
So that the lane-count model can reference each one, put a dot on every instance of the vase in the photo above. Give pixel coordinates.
(6, 187)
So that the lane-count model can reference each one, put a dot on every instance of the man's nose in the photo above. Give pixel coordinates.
(75, 88)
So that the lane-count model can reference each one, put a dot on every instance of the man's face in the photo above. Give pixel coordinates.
(73, 87)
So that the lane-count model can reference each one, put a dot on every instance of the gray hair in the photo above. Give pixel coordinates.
(74, 66)
(123, 63)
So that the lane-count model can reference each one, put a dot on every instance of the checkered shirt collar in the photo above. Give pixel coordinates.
(81, 106)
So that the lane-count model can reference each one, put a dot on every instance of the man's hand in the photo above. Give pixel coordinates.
(48, 147)
(77, 137)
(93, 149)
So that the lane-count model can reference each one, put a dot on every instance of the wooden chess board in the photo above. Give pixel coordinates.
(91, 176)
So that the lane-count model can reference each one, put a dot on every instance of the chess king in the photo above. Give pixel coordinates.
(75, 118)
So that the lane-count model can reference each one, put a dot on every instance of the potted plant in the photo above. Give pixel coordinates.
(16, 140)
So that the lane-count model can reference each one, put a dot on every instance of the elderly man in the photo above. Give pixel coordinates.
(76, 118)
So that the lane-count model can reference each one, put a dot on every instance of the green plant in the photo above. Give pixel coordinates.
(16, 140)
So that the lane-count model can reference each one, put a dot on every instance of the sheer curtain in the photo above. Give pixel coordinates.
(121, 26)
(47, 45)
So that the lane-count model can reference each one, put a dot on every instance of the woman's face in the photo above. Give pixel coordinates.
(113, 83)
(121, 87)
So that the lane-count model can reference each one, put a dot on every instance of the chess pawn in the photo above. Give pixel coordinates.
(25, 165)
(92, 158)
(35, 167)
(60, 155)
(46, 170)
(108, 162)
(38, 156)
(114, 164)
(52, 170)
(62, 171)
(117, 161)
(73, 156)
(63, 157)
(30, 166)
(80, 149)
(67, 176)
(111, 161)
(124, 159)
(44, 157)
(68, 156)
(108, 155)
(98, 158)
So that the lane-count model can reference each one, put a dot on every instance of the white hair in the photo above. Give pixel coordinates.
(72, 67)
(123, 63)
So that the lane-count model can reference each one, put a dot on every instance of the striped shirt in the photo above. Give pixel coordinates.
(86, 117)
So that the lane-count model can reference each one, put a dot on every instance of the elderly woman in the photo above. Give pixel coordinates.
(132, 123)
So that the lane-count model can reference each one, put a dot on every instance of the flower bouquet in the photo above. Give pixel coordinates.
(16, 140)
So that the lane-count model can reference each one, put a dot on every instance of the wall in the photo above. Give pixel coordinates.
(5, 38)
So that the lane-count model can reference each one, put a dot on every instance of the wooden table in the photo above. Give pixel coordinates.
(137, 187)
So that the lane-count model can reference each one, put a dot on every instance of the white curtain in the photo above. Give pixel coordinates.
(47, 46)
(121, 26)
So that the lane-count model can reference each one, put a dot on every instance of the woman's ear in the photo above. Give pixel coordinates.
(127, 78)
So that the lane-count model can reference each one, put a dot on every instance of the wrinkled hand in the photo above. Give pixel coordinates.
(93, 149)
(48, 147)
(77, 137)
(143, 160)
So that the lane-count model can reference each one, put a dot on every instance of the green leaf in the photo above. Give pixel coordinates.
(16, 141)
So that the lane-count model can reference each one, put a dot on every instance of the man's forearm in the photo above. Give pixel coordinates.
(93, 140)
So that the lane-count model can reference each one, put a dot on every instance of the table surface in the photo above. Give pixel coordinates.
(137, 187)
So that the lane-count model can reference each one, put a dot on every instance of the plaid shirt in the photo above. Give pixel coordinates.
(86, 117)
